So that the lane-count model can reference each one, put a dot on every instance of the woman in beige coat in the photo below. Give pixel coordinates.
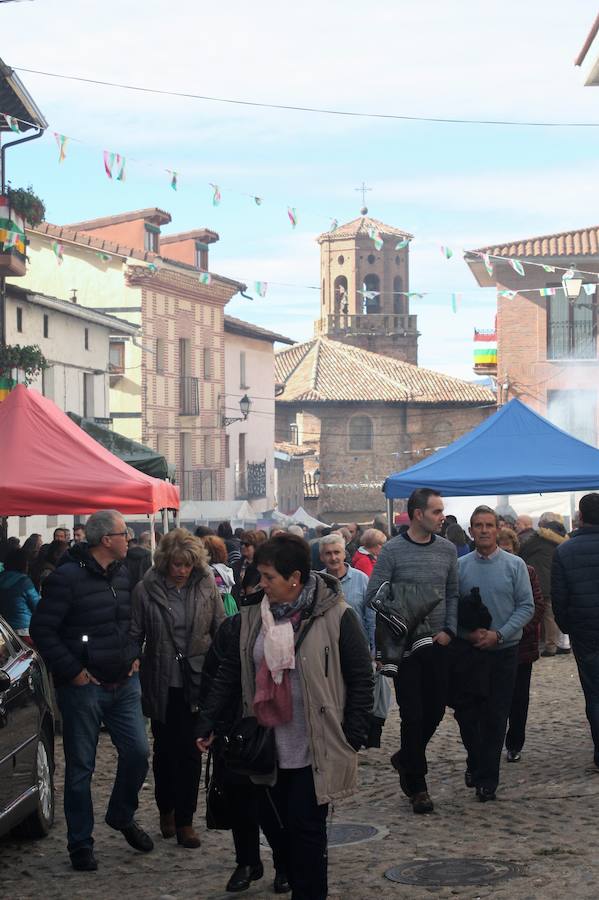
(177, 609)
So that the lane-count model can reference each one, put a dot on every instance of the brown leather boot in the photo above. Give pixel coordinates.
(167, 825)
(187, 837)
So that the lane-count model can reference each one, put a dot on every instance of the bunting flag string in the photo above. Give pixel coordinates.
(488, 265)
(205, 278)
(258, 201)
(216, 196)
(292, 214)
(547, 292)
(517, 266)
(447, 252)
(173, 175)
(401, 245)
(61, 140)
(108, 163)
(260, 288)
(120, 162)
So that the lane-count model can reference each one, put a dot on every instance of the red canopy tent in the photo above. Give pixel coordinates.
(48, 465)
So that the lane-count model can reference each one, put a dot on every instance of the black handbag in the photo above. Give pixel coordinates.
(250, 747)
(218, 814)
(191, 676)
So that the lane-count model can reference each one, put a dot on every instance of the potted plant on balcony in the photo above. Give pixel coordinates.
(17, 207)
(19, 363)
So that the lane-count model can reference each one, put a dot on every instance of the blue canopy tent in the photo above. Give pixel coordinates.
(514, 451)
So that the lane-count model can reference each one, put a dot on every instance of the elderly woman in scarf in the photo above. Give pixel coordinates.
(317, 700)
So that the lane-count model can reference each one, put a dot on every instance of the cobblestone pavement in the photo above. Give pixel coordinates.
(545, 820)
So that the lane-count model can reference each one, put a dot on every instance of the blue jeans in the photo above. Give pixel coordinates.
(587, 660)
(83, 710)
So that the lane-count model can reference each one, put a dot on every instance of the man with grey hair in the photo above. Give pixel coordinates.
(353, 582)
(81, 627)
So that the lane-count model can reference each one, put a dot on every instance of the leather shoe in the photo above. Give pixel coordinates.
(83, 860)
(484, 794)
(188, 837)
(422, 803)
(242, 876)
(137, 838)
(167, 825)
(548, 653)
(561, 650)
(514, 756)
(281, 885)
(403, 780)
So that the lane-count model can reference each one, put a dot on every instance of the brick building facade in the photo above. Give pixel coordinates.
(547, 345)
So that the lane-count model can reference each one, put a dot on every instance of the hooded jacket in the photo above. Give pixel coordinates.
(83, 618)
(337, 685)
(151, 628)
(137, 561)
(538, 552)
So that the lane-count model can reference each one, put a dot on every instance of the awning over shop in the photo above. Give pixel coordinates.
(135, 454)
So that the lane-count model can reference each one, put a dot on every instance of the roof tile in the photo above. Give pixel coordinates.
(582, 242)
(361, 226)
(325, 370)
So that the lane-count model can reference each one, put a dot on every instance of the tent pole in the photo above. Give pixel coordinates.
(165, 521)
(176, 518)
(573, 509)
(152, 533)
(389, 514)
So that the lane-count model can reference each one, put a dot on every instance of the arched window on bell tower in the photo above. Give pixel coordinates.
(400, 301)
(372, 284)
(341, 297)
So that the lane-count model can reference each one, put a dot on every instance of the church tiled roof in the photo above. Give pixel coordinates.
(582, 242)
(362, 226)
(324, 370)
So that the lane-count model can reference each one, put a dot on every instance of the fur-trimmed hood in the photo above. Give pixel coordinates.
(549, 535)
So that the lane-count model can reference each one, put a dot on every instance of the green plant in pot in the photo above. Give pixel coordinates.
(25, 203)
(29, 360)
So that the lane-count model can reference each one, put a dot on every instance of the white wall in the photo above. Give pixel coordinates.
(259, 427)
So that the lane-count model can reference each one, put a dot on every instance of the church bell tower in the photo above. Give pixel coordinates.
(364, 272)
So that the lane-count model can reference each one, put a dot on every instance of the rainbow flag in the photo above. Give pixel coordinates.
(485, 347)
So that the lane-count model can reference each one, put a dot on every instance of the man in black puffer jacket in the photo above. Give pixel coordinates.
(575, 599)
(81, 629)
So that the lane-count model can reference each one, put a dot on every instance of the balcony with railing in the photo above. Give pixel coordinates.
(367, 323)
(572, 340)
(250, 480)
(189, 395)
(199, 484)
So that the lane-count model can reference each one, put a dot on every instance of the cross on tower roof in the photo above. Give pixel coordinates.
(363, 191)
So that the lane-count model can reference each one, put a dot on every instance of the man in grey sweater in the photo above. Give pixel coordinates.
(421, 556)
(504, 586)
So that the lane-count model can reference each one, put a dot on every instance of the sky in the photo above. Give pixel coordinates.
(461, 186)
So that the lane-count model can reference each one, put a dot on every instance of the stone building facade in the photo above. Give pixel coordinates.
(547, 353)
(367, 416)
(364, 272)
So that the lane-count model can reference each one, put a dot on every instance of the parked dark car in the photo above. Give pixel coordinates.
(26, 739)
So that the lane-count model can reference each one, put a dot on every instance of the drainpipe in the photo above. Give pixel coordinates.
(3, 149)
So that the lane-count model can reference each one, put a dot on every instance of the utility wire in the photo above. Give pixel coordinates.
(308, 109)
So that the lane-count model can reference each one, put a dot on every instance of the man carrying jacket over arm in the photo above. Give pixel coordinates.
(421, 556)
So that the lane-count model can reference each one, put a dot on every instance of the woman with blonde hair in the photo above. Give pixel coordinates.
(177, 609)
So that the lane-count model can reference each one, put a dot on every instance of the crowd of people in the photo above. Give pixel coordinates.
(275, 654)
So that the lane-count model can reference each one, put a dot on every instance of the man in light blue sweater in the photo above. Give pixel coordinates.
(504, 586)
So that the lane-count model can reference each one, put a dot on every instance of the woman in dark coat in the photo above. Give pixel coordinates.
(528, 653)
(177, 608)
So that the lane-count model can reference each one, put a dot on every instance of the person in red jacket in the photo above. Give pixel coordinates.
(528, 652)
(366, 555)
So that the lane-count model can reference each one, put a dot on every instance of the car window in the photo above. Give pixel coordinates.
(7, 647)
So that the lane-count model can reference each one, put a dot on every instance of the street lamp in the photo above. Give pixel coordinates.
(572, 285)
(245, 405)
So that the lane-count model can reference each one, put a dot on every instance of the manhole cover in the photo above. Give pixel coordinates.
(439, 872)
(351, 834)
(348, 833)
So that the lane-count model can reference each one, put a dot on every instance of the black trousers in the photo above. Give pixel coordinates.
(248, 815)
(482, 724)
(304, 831)
(177, 762)
(421, 691)
(516, 731)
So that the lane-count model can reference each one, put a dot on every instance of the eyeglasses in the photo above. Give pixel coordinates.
(116, 534)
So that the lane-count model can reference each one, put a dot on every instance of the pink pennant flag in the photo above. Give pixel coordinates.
(108, 162)
(61, 140)
(292, 215)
